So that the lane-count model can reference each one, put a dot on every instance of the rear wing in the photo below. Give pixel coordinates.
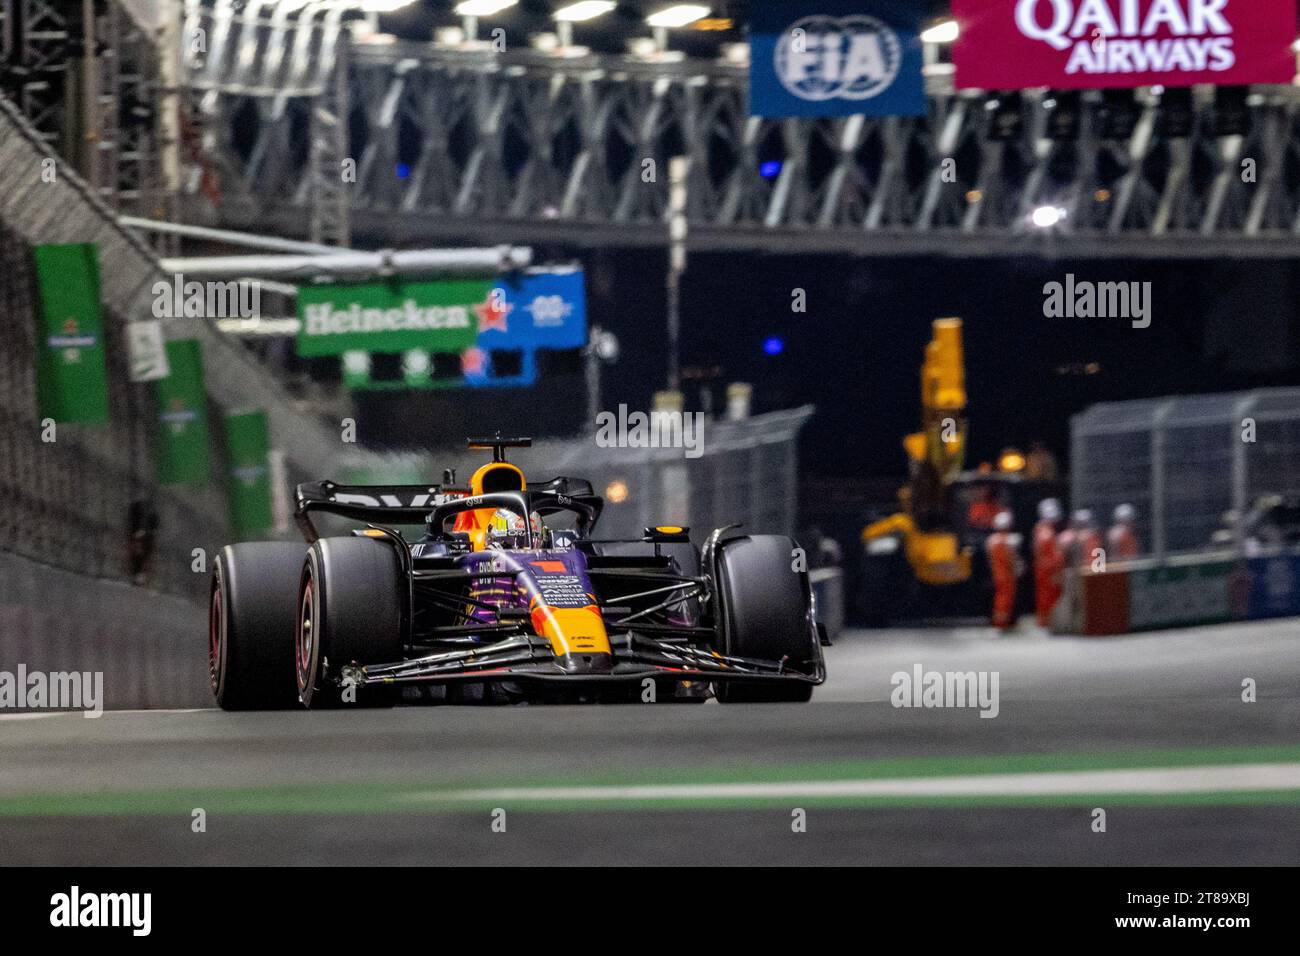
(383, 504)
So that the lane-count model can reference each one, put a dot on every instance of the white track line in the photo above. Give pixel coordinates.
(161, 712)
(37, 715)
(1161, 780)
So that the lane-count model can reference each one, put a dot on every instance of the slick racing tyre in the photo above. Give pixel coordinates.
(350, 602)
(251, 614)
(765, 608)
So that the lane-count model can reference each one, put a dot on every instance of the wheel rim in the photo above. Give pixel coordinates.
(306, 635)
(214, 637)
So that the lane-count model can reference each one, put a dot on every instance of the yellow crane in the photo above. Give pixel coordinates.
(928, 560)
(935, 455)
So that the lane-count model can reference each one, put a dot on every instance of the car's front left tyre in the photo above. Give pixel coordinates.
(350, 601)
(251, 614)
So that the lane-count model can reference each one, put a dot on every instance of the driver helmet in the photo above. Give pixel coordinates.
(506, 529)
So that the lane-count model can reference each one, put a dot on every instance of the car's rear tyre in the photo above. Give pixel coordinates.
(251, 614)
(350, 601)
(765, 606)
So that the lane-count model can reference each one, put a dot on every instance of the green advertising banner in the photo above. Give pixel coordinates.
(72, 384)
(249, 479)
(180, 403)
(1181, 596)
(436, 316)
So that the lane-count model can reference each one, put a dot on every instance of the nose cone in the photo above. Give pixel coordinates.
(563, 609)
(577, 635)
(600, 663)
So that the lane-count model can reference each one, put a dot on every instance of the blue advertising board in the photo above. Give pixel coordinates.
(526, 311)
(836, 58)
(542, 308)
(1274, 586)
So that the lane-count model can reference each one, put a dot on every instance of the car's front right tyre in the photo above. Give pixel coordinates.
(350, 599)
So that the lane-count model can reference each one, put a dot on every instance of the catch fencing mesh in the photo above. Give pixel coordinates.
(1188, 463)
(67, 501)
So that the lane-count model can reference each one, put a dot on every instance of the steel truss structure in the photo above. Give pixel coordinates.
(484, 147)
(101, 111)
(286, 125)
(36, 47)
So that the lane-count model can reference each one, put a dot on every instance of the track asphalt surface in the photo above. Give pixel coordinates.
(1152, 729)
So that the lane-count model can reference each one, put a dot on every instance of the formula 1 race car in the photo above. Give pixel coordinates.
(503, 595)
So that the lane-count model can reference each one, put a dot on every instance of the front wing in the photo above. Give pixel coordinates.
(528, 657)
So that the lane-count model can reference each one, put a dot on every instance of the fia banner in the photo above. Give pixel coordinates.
(836, 58)
(71, 376)
(1095, 44)
(181, 410)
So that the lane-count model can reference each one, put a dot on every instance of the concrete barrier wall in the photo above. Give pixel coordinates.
(1189, 590)
(151, 647)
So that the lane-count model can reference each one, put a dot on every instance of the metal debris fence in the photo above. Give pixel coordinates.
(1184, 462)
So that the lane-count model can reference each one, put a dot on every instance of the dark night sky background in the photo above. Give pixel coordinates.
(856, 353)
(1217, 325)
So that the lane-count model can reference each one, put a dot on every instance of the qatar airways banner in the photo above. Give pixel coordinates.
(1089, 44)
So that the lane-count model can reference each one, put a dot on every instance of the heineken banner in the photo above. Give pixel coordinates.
(180, 403)
(390, 316)
(249, 478)
(525, 311)
(72, 384)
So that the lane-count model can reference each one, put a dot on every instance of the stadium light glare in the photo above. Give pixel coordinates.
(642, 47)
(584, 10)
(945, 32)
(1045, 217)
(483, 8)
(736, 53)
(679, 15)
